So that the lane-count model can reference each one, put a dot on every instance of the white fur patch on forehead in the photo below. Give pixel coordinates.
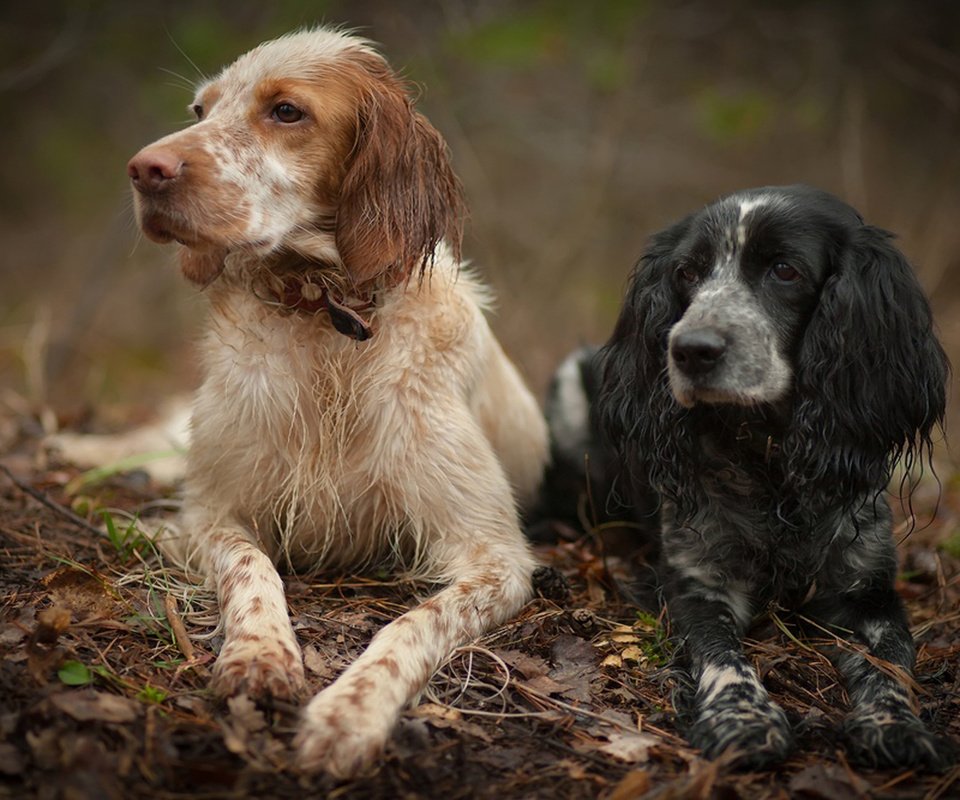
(746, 206)
(293, 55)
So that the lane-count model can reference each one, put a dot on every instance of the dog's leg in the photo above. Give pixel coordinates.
(734, 715)
(466, 509)
(260, 655)
(882, 730)
(345, 726)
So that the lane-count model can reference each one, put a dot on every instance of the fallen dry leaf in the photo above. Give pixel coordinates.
(244, 731)
(629, 746)
(574, 663)
(89, 705)
(527, 665)
(600, 724)
(632, 653)
(441, 717)
(535, 671)
(197, 706)
(828, 782)
(11, 635)
(315, 663)
(634, 784)
(545, 685)
(435, 711)
(83, 592)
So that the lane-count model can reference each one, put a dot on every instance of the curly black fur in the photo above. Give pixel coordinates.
(773, 362)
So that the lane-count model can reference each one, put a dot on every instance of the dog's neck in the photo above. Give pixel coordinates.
(296, 285)
(754, 432)
(760, 438)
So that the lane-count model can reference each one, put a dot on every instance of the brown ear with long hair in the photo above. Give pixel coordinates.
(400, 197)
(201, 268)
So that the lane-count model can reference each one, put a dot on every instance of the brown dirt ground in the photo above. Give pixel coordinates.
(100, 697)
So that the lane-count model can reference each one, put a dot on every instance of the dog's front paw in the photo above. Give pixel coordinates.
(879, 738)
(751, 735)
(260, 669)
(342, 732)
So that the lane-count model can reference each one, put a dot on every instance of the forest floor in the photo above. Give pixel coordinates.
(105, 657)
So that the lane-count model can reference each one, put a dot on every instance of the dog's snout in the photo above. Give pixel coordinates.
(154, 169)
(697, 352)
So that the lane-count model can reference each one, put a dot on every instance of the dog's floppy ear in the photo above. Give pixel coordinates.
(871, 376)
(400, 197)
(634, 395)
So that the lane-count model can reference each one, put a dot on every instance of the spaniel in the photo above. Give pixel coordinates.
(356, 410)
(773, 362)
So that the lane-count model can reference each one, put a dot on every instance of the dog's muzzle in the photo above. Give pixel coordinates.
(698, 352)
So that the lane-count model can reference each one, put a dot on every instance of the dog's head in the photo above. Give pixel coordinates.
(781, 297)
(310, 144)
(746, 273)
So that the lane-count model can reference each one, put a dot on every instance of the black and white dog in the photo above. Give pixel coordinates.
(773, 362)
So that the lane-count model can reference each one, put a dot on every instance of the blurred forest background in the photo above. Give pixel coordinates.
(578, 129)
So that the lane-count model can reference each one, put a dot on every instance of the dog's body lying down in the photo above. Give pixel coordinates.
(355, 409)
(773, 361)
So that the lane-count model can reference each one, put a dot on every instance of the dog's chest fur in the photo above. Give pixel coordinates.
(288, 426)
(749, 528)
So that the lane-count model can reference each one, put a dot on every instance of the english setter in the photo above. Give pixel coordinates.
(355, 408)
(773, 361)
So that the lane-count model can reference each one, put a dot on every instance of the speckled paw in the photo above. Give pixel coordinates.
(750, 735)
(341, 735)
(260, 670)
(885, 738)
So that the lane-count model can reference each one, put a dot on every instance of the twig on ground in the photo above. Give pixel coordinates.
(40, 497)
(176, 625)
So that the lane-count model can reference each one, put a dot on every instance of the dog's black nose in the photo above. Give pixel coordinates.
(697, 352)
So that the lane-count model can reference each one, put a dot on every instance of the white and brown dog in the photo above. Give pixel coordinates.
(356, 409)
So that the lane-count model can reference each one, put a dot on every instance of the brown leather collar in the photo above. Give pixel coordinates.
(297, 293)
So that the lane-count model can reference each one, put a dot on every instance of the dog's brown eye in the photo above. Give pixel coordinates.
(784, 273)
(287, 113)
(197, 109)
(687, 274)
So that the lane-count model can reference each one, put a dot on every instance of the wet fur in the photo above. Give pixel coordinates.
(410, 449)
(770, 467)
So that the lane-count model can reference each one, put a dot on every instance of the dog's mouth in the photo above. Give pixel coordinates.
(161, 228)
(689, 394)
